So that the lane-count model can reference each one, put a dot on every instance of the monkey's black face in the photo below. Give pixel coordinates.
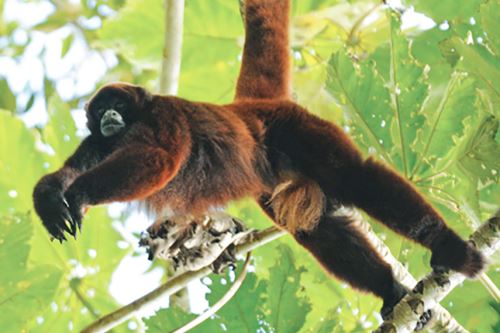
(112, 123)
(114, 108)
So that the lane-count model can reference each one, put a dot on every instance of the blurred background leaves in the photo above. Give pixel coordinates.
(418, 90)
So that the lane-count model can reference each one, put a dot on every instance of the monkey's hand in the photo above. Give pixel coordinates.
(52, 207)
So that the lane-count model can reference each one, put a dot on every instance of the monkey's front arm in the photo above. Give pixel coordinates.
(132, 172)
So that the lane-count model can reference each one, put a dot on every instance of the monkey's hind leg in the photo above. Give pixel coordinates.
(344, 250)
(391, 199)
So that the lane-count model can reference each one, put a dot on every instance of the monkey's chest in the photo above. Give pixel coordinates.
(217, 171)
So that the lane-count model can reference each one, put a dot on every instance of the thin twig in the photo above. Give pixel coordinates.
(220, 303)
(490, 286)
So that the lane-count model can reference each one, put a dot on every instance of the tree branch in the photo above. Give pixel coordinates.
(444, 321)
(172, 47)
(169, 85)
(434, 287)
(175, 284)
(486, 238)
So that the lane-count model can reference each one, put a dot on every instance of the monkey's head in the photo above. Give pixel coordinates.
(114, 108)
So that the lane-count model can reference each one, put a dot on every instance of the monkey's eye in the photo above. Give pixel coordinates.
(119, 106)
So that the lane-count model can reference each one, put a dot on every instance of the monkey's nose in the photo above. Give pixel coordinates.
(113, 113)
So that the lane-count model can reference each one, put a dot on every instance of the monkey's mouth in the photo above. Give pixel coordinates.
(112, 123)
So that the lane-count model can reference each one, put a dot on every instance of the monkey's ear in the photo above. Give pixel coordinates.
(143, 97)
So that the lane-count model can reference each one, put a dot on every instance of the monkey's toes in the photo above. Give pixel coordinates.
(423, 320)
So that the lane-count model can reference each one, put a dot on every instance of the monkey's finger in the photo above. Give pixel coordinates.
(65, 202)
(54, 231)
(79, 224)
(57, 233)
(68, 218)
(59, 228)
(68, 227)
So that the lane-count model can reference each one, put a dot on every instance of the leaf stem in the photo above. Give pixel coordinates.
(395, 100)
(449, 88)
(360, 117)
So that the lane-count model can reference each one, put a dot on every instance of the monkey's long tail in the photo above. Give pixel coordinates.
(265, 68)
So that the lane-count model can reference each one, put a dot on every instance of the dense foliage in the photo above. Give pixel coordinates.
(426, 101)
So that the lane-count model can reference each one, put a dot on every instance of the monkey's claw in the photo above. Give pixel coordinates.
(423, 320)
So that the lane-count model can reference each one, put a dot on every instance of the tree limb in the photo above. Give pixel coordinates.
(434, 287)
(175, 284)
(444, 321)
(169, 85)
(486, 239)
(172, 47)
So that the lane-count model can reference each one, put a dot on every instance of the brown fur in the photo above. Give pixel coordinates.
(189, 157)
(265, 69)
(298, 205)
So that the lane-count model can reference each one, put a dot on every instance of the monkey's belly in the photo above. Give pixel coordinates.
(197, 193)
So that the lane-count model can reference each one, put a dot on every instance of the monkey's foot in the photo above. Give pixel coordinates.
(424, 319)
(191, 246)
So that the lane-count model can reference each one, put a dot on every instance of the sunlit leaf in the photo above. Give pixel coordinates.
(66, 44)
(444, 126)
(167, 320)
(243, 313)
(20, 164)
(7, 98)
(446, 9)
(362, 91)
(24, 290)
(286, 303)
(409, 90)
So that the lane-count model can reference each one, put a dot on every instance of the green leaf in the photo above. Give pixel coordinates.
(30, 102)
(481, 156)
(60, 132)
(287, 305)
(362, 91)
(66, 44)
(210, 47)
(243, 312)
(7, 98)
(328, 324)
(446, 9)
(126, 32)
(20, 164)
(48, 90)
(444, 126)
(409, 90)
(489, 19)
(24, 291)
(478, 60)
(167, 320)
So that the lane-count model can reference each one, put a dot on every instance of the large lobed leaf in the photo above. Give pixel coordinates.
(445, 9)
(409, 90)
(277, 304)
(86, 267)
(362, 91)
(287, 304)
(24, 290)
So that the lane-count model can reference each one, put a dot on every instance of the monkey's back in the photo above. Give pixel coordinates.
(226, 162)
